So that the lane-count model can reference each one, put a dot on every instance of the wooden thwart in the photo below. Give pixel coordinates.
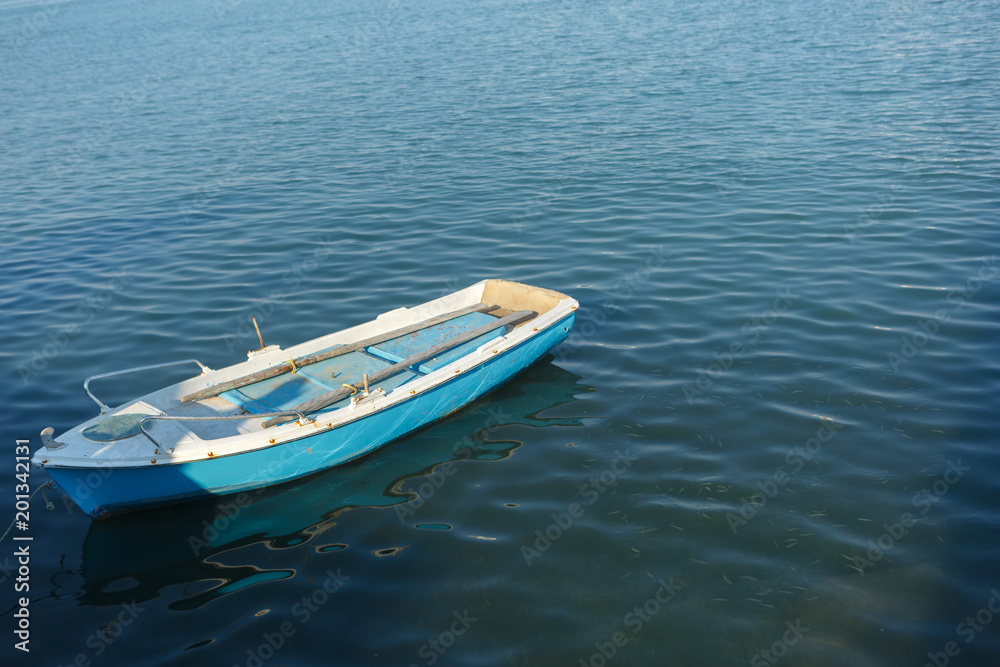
(332, 397)
(275, 371)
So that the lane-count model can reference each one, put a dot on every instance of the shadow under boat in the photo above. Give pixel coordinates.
(133, 556)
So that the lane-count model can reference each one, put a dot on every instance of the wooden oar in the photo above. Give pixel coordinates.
(339, 394)
(290, 366)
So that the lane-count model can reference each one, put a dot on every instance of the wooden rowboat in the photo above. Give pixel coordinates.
(284, 414)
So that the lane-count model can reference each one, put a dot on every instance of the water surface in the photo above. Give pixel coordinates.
(773, 429)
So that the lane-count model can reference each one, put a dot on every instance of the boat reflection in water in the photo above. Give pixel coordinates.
(132, 557)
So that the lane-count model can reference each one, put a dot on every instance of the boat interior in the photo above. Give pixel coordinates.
(289, 390)
(429, 345)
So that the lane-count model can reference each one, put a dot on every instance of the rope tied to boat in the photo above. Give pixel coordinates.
(353, 389)
(291, 360)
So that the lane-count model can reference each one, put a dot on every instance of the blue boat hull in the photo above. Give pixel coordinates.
(102, 491)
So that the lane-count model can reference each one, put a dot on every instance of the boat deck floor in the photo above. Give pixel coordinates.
(288, 390)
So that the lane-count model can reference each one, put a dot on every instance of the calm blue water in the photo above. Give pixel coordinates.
(771, 440)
